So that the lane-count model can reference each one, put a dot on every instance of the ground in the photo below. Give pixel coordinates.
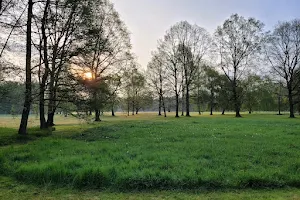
(147, 156)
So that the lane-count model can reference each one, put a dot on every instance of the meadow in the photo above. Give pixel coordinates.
(151, 156)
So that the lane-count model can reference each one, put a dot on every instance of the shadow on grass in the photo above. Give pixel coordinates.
(9, 136)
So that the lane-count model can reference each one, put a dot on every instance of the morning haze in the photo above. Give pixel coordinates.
(149, 99)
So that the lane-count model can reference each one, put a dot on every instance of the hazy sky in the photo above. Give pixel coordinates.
(148, 20)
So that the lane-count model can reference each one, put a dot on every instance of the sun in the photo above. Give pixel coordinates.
(88, 75)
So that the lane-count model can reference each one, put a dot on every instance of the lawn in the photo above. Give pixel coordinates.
(255, 156)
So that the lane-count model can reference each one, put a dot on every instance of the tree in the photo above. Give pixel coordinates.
(157, 80)
(193, 44)
(28, 92)
(252, 89)
(224, 94)
(106, 46)
(283, 52)
(238, 41)
(134, 84)
(212, 84)
(12, 95)
(114, 85)
(198, 85)
(184, 47)
(58, 24)
(169, 49)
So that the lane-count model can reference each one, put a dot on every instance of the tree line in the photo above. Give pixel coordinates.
(230, 65)
(79, 60)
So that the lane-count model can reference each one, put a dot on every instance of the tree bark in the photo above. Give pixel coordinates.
(177, 105)
(236, 101)
(187, 100)
(97, 115)
(198, 101)
(223, 112)
(133, 107)
(279, 105)
(51, 105)
(28, 92)
(159, 105)
(43, 124)
(291, 102)
(128, 108)
(164, 105)
(211, 102)
(50, 120)
(182, 103)
(112, 111)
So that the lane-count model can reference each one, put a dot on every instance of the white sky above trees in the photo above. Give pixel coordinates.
(148, 20)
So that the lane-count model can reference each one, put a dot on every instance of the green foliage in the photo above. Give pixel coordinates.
(202, 152)
(11, 97)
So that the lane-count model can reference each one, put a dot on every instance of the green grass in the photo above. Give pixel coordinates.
(10, 189)
(150, 153)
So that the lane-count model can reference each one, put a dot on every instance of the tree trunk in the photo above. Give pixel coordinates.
(164, 107)
(279, 105)
(44, 48)
(236, 101)
(250, 111)
(223, 111)
(133, 107)
(51, 113)
(211, 102)
(112, 111)
(28, 92)
(50, 120)
(291, 103)
(43, 124)
(128, 108)
(182, 103)
(187, 101)
(177, 105)
(199, 103)
(97, 115)
(159, 105)
(51, 105)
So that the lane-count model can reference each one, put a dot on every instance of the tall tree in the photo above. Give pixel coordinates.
(253, 85)
(169, 49)
(134, 84)
(184, 47)
(224, 93)
(212, 84)
(28, 92)
(106, 48)
(283, 52)
(194, 44)
(157, 80)
(238, 41)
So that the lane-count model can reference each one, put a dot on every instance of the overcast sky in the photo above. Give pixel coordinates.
(148, 20)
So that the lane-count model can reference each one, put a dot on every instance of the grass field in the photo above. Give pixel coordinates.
(213, 157)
